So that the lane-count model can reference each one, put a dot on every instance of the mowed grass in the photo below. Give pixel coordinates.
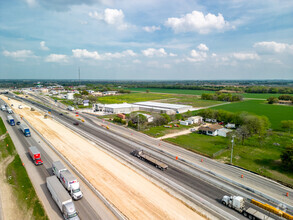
(133, 97)
(199, 143)
(199, 92)
(275, 113)
(160, 131)
(191, 100)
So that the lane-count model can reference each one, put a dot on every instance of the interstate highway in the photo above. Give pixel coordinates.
(91, 209)
(206, 190)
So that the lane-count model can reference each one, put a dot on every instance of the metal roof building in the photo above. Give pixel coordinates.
(176, 108)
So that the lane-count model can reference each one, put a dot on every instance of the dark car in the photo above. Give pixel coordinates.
(75, 123)
(18, 123)
(61, 114)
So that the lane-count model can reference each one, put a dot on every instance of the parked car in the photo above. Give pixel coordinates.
(75, 123)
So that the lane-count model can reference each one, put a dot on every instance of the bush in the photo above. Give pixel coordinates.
(272, 100)
(287, 158)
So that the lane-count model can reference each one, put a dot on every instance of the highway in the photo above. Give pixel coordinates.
(88, 207)
(204, 189)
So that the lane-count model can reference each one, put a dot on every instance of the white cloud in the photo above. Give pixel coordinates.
(19, 54)
(151, 29)
(197, 56)
(43, 45)
(172, 55)
(57, 58)
(150, 52)
(245, 56)
(214, 55)
(119, 55)
(273, 47)
(83, 53)
(203, 47)
(112, 17)
(31, 3)
(198, 22)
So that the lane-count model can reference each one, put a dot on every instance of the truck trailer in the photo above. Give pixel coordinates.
(237, 203)
(3, 107)
(10, 120)
(62, 199)
(150, 159)
(35, 155)
(68, 180)
(9, 110)
(25, 130)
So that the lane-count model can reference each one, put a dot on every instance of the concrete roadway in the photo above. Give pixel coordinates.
(89, 207)
(206, 190)
(251, 180)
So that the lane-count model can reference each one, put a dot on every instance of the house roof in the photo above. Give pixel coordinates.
(210, 128)
(86, 101)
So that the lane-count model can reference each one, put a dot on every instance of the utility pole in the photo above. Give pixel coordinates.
(138, 122)
(232, 148)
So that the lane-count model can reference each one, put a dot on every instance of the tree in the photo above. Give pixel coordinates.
(77, 96)
(287, 124)
(147, 91)
(272, 100)
(242, 132)
(93, 99)
(287, 158)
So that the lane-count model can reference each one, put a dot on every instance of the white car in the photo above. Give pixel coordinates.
(20, 106)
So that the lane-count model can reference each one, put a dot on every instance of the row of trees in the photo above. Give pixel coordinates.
(272, 100)
(228, 97)
(247, 124)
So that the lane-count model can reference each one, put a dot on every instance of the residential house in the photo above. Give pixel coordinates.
(223, 132)
(86, 102)
(196, 119)
(183, 122)
(210, 129)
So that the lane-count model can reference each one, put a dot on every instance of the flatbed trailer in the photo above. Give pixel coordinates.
(150, 159)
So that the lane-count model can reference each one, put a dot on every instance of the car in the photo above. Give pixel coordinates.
(60, 113)
(76, 113)
(11, 104)
(18, 123)
(75, 123)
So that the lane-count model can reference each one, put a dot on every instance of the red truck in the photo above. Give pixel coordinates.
(35, 155)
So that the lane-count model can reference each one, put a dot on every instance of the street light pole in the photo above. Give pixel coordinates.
(232, 148)
(138, 122)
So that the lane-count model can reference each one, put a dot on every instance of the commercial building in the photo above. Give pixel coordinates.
(163, 107)
(115, 108)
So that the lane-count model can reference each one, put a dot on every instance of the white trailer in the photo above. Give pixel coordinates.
(71, 184)
(9, 110)
(62, 199)
(70, 108)
(57, 168)
(3, 107)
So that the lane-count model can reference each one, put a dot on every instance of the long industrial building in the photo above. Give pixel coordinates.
(142, 106)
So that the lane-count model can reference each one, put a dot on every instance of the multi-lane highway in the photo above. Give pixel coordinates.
(89, 207)
(188, 180)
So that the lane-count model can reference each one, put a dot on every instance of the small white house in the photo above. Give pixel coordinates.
(211, 130)
(190, 122)
(86, 102)
(223, 132)
(196, 119)
(70, 96)
(183, 122)
(230, 125)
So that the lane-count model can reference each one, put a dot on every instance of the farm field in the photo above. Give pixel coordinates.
(199, 92)
(275, 113)
(260, 156)
(191, 100)
(132, 97)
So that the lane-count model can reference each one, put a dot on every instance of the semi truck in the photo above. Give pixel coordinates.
(237, 203)
(9, 110)
(35, 155)
(70, 108)
(3, 107)
(68, 180)
(61, 198)
(10, 120)
(25, 130)
(150, 159)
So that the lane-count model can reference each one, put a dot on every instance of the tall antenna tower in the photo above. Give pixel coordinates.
(79, 75)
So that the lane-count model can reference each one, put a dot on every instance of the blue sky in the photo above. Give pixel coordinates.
(146, 39)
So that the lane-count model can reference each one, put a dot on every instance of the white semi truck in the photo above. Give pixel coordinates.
(69, 181)
(238, 203)
(9, 110)
(62, 199)
(3, 107)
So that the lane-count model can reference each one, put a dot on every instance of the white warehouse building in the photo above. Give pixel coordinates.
(115, 108)
(166, 107)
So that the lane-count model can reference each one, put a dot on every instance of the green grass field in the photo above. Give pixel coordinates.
(199, 143)
(191, 100)
(160, 131)
(17, 177)
(199, 92)
(132, 97)
(275, 113)
(260, 156)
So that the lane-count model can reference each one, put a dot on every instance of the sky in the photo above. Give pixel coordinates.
(146, 39)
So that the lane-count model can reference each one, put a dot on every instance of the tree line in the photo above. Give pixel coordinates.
(272, 100)
(228, 97)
